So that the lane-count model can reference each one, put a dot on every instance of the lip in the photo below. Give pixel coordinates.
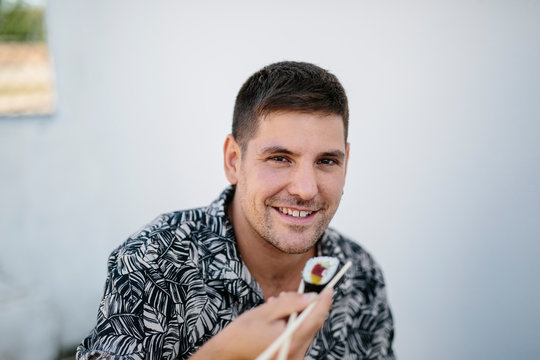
(296, 220)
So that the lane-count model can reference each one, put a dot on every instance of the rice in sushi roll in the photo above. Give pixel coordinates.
(318, 272)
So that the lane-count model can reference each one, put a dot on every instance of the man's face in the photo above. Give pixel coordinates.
(290, 179)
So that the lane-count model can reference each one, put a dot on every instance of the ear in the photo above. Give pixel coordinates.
(231, 159)
(347, 148)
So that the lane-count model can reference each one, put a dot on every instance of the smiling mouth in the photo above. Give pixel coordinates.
(295, 213)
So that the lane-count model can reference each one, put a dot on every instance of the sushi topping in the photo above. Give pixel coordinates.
(320, 270)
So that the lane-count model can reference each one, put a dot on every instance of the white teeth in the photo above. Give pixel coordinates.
(295, 213)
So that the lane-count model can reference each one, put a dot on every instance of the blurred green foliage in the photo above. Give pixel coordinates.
(20, 22)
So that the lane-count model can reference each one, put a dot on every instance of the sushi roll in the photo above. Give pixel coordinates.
(318, 271)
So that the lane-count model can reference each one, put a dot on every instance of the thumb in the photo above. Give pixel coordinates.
(286, 304)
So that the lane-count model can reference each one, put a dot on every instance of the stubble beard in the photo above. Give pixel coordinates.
(266, 230)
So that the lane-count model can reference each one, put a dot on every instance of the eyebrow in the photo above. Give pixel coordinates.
(276, 149)
(338, 154)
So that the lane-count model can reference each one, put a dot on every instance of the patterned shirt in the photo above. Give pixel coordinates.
(180, 280)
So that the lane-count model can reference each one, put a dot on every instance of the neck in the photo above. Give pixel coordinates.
(274, 270)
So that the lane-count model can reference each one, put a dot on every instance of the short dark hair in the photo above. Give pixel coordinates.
(287, 85)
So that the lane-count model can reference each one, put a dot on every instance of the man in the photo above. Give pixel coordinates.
(218, 282)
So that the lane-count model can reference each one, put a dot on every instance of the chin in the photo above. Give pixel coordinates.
(293, 251)
(293, 246)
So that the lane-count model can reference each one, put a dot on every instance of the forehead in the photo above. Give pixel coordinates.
(300, 130)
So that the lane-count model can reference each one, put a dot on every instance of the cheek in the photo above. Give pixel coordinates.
(332, 187)
(259, 184)
(270, 179)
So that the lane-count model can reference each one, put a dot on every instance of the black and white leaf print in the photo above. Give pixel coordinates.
(179, 280)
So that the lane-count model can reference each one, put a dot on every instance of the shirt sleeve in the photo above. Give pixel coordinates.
(383, 335)
(372, 324)
(119, 331)
(131, 320)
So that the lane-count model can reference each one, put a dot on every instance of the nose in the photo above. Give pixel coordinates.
(303, 182)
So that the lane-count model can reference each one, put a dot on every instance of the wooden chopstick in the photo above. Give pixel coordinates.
(266, 354)
(284, 351)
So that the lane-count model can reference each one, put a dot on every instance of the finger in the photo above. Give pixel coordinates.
(304, 335)
(325, 300)
(286, 304)
(321, 310)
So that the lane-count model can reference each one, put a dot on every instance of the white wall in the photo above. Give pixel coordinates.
(443, 183)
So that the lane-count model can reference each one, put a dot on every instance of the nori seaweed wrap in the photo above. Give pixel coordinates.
(318, 272)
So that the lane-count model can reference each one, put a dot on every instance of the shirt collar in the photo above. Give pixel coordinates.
(222, 259)
(327, 246)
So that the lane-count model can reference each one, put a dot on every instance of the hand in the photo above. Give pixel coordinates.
(253, 331)
(303, 336)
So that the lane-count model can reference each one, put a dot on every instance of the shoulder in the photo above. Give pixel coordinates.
(360, 304)
(170, 239)
(365, 274)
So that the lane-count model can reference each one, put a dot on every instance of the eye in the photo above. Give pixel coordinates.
(279, 158)
(278, 161)
(327, 162)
